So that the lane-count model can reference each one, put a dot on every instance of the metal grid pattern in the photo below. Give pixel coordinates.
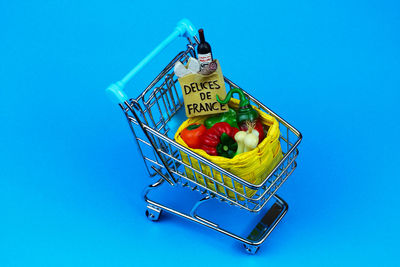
(154, 111)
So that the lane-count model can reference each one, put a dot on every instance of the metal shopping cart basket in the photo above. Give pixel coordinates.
(153, 117)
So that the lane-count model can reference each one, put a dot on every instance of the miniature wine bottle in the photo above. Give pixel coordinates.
(204, 53)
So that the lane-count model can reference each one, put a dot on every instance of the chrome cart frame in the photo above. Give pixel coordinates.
(153, 119)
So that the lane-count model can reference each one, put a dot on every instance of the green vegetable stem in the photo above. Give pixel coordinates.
(245, 111)
(227, 147)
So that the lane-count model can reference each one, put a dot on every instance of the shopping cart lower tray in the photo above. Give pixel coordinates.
(155, 115)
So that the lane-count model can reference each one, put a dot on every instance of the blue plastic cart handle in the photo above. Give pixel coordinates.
(116, 92)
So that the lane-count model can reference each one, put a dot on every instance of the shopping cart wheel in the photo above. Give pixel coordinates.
(251, 249)
(153, 213)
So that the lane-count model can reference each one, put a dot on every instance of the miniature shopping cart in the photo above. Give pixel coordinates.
(154, 116)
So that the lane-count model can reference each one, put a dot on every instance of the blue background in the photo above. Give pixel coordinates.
(71, 179)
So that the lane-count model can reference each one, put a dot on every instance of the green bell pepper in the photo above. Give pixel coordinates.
(229, 117)
(245, 111)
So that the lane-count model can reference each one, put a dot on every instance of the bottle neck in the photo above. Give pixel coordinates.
(201, 35)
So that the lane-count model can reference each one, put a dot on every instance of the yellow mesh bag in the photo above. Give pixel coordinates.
(253, 166)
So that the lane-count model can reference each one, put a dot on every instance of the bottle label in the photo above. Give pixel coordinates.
(204, 59)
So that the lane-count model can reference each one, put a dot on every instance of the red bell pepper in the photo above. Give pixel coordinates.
(212, 138)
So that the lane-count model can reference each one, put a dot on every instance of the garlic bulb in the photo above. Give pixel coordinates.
(239, 137)
(248, 140)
